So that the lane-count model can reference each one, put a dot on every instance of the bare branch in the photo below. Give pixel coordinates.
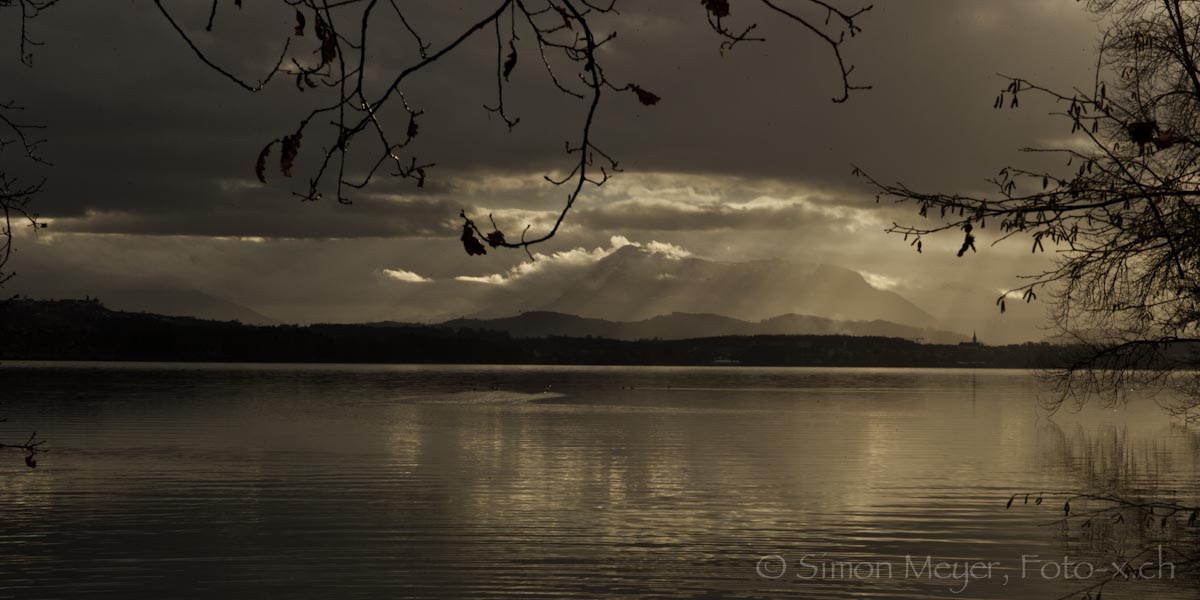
(564, 34)
(1123, 219)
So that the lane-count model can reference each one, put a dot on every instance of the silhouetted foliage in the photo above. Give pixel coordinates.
(1123, 218)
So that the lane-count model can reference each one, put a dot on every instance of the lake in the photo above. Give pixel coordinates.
(332, 481)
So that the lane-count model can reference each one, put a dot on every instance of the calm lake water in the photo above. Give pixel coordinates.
(254, 481)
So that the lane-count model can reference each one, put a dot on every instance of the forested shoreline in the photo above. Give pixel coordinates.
(86, 330)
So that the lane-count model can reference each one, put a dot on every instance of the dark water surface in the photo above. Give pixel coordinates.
(263, 481)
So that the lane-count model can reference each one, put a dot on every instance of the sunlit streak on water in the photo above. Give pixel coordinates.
(473, 482)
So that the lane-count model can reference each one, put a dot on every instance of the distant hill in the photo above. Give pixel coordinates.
(164, 301)
(633, 284)
(678, 326)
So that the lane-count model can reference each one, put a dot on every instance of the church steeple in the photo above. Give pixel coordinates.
(974, 340)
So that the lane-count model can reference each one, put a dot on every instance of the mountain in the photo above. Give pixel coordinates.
(677, 326)
(634, 284)
(165, 301)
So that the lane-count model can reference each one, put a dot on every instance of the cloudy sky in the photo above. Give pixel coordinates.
(744, 158)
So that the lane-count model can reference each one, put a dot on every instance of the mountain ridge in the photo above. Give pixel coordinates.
(635, 284)
(170, 302)
(679, 325)
(87, 331)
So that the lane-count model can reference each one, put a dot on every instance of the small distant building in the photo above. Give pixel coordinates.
(974, 343)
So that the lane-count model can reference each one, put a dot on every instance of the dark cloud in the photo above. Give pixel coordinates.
(744, 156)
(128, 104)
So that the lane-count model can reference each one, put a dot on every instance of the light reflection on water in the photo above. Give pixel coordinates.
(471, 482)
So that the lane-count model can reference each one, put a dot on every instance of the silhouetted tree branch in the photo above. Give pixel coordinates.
(31, 447)
(379, 124)
(30, 10)
(1127, 524)
(1123, 218)
(16, 197)
(20, 140)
